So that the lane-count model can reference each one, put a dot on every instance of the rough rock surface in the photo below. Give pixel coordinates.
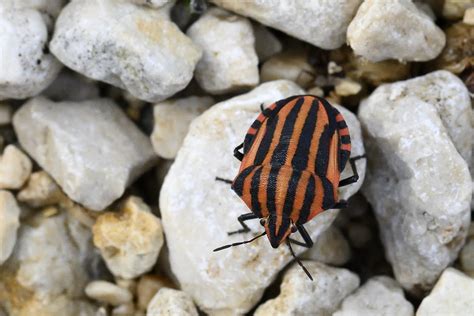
(229, 62)
(394, 29)
(453, 294)
(93, 166)
(138, 49)
(41, 190)
(108, 293)
(378, 296)
(301, 296)
(171, 123)
(27, 68)
(9, 223)
(418, 132)
(169, 302)
(130, 240)
(15, 168)
(331, 247)
(232, 280)
(45, 244)
(297, 18)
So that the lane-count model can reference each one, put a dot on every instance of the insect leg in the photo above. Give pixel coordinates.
(237, 153)
(261, 107)
(224, 180)
(308, 243)
(354, 177)
(242, 218)
(340, 204)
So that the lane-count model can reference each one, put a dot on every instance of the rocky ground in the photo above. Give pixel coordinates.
(116, 116)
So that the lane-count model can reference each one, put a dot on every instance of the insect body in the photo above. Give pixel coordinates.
(293, 155)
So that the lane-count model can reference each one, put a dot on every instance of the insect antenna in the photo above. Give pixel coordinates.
(298, 260)
(239, 243)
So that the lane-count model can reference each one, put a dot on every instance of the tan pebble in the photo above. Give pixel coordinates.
(469, 16)
(41, 190)
(15, 168)
(108, 293)
(148, 286)
(50, 211)
(345, 87)
(317, 91)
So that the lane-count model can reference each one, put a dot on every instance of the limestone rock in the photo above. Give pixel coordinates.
(91, 149)
(138, 48)
(301, 296)
(27, 68)
(108, 293)
(172, 119)
(130, 240)
(469, 16)
(453, 294)
(454, 9)
(41, 190)
(418, 132)
(321, 23)
(169, 302)
(379, 296)
(148, 286)
(9, 223)
(331, 247)
(394, 29)
(230, 281)
(229, 62)
(15, 168)
(266, 44)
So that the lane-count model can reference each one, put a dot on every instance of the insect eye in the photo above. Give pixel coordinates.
(262, 221)
(293, 229)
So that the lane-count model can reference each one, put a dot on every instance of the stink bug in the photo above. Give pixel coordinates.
(292, 159)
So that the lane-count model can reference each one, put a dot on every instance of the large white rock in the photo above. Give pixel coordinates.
(378, 296)
(9, 223)
(394, 29)
(26, 65)
(132, 47)
(171, 123)
(319, 22)
(417, 133)
(15, 168)
(169, 302)
(301, 296)
(91, 149)
(453, 294)
(229, 62)
(231, 281)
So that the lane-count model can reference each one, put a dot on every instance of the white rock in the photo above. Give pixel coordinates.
(469, 16)
(172, 119)
(453, 294)
(41, 190)
(345, 87)
(394, 29)
(108, 293)
(91, 149)
(15, 168)
(266, 43)
(169, 302)
(454, 9)
(321, 23)
(9, 223)
(48, 7)
(27, 68)
(300, 296)
(230, 281)
(5, 114)
(418, 132)
(138, 49)
(60, 89)
(331, 247)
(130, 240)
(379, 296)
(229, 62)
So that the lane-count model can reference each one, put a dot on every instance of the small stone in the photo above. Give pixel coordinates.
(5, 114)
(296, 18)
(130, 240)
(419, 139)
(41, 190)
(9, 223)
(229, 62)
(109, 293)
(317, 91)
(139, 49)
(191, 198)
(301, 296)
(148, 286)
(94, 164)
(469, 16)
(379, 296)
(172, 119)
(453, 294)
(266, 43)
(346, 87)
(292, 66)
(334, 68)
(15, 168)
(60, 89)
(454, 9)
(331, 247)
(394, 29)
(169, 302)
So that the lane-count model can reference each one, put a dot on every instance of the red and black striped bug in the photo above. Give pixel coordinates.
(292, 159)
